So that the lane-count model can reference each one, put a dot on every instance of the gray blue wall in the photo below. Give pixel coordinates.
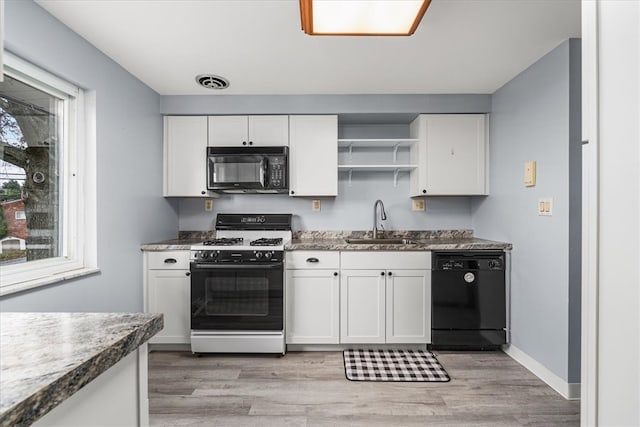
(360, 116)
(129, 165)
(534, 117)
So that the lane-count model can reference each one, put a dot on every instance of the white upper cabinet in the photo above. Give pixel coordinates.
(313, 155)
(234, 131)
(451, 154)
(185, 145)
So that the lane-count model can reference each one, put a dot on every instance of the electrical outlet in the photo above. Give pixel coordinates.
(545, 206)
(417, 204)
(208, 205)
(315, 205)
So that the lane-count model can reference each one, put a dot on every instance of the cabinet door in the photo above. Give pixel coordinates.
(451, 155)
(169, 293)
(312, 301)
(228, 131)
(456, 154)
(313, 155)
(362, 306)
(269, 130)
(185, 163)
(408, 300)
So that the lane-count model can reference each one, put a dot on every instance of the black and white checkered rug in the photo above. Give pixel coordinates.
(393, 365)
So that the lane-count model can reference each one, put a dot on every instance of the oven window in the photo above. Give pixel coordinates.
(230, 170)
(237, 296)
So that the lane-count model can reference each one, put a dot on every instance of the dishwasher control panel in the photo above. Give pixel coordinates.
(461, 262)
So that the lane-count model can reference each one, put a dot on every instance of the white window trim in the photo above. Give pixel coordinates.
(79, 248)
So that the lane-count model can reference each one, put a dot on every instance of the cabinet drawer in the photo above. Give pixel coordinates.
(168, 260)
(386, 260)
(312, 259)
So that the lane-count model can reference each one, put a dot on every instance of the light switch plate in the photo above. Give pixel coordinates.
(417, 204)
(530, 174)
(315, 205)
(545, 206)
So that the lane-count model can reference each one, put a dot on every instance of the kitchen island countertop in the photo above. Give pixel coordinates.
(47, 357)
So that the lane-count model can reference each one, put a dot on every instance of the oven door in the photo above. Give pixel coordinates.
(236, 172)
(237, 297)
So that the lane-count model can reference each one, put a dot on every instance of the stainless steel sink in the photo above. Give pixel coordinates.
(380, 241)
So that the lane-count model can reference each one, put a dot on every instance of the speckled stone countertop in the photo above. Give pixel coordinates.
(179, 244)
(431, 240)
(425, 240)
(47, 357)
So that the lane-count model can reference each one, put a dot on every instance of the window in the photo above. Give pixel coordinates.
(44, 172)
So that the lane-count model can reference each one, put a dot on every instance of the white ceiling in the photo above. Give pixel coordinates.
(461, 46)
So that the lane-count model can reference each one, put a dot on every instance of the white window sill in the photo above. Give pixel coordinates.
(47, 280)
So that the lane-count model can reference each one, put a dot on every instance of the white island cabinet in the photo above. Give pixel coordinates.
(385, 297)
(238, 131)
(185, 157)
(451, 155)
(167, 290)
(312, 297)
(313, 156)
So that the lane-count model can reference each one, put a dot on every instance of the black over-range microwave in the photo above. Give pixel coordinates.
(248, 169)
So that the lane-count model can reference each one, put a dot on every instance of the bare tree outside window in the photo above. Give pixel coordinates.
(30, 159)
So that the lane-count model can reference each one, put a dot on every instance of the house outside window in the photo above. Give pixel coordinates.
(43, 146)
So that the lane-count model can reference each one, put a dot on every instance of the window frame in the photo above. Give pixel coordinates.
(77, 162)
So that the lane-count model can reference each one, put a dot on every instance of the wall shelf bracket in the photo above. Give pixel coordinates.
(395, 152)
(350, 173)
(395, 177)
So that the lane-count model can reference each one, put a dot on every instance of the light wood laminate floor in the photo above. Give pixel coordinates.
(310, 389)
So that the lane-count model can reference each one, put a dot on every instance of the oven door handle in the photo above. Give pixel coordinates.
(274, 266)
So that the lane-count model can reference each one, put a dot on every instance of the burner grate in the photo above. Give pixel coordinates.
(266, 241)
(225, 241)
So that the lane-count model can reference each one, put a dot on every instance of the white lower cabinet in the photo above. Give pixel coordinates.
(408, 306)
(385, 297)
(312, 297)
(168, 291)
(362, 307)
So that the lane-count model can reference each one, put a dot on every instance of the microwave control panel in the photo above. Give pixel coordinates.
(278, 172)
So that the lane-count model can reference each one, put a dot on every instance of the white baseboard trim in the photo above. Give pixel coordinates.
(570, 391)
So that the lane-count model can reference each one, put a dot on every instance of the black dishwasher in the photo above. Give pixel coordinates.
(468, 300)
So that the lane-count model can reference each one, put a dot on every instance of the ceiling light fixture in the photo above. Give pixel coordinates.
(361, 17)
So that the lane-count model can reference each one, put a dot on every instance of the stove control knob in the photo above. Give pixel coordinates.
(204, 254)
(268, 255)
(259, 255)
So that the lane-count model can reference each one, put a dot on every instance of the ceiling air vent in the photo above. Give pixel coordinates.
(211, 81)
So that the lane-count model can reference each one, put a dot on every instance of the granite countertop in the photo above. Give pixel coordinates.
(472, 243)
(429, 240)
(47, 357)
(171, 245)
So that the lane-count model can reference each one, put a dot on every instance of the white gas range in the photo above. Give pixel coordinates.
(237, 285)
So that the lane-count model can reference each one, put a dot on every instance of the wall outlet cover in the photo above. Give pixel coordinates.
(417, 204)
(530, 174)
(545, 206)
(208, 205)
(315, 205)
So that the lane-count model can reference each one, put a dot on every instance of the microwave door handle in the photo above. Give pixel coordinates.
(263, 172)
